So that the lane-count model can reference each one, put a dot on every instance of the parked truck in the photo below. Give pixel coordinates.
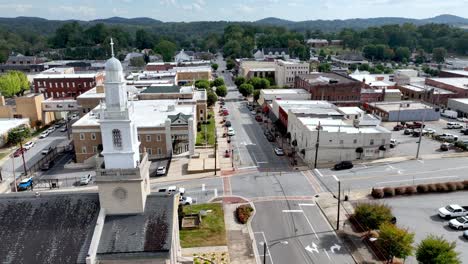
(453, 210)
(449, 114)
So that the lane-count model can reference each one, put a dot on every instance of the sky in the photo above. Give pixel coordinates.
(231, 10)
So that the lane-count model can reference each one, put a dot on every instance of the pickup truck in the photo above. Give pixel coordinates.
(453, 210)
(459, 223)
(415, 125)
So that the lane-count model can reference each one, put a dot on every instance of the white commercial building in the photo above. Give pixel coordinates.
(268, 95)
(286, 71)
(339, 139)
(460, 105)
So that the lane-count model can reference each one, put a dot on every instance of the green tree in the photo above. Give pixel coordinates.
(256, 95)
(143, 39)
(13, 83)
(396, 242)
(324, 67)
(230, 64)
(239, 80)
(246, 89)
(17, 135)
(137, 62)
(221, 90)
(166, 48)
(202, 84)
(438, 54)
(437, 250)
(371, 215)
(214, 66)
(218, 82)
(402, 53)
(211, 98)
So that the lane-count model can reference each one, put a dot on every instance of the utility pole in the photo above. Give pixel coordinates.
(264, 252)
(421, 132)
(339, 202)
(317, 144)
(14, 176)
(232, 158)
(215, 151)
(22, 154)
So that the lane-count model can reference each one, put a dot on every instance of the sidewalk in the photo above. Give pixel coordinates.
(225, 163)
(238, 237)
(351, 239)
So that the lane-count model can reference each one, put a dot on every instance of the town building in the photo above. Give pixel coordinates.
(460, 105)
(403, 111)
(28, 106)
(7, 124)
(264, 69)
(280, 109)
(160, 66)
(317, 43)
(26, 64)
(379, 95)
(268, 95)
(62, 85)
(286, 71)
(332, 87)
(453, 73)
(427, 93)
(186, 75)
(189, 56)
(271, 54)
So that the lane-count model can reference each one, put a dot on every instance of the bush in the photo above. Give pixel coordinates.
(389, 191)
(441, 187)
(432, 187)
(243, 213)
(411, 190)
(400, 190)
(377, 193)
(371, 215)
(465, 183)
(460, 185)
(422, 188)
(451, 186)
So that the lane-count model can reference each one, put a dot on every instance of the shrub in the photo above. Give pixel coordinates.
(460, 185)
(432, 187)
(441, 187)
(465, 183)
(400, 190)
(422, 188)
(411, 190)
(243, 213)
(389, 191)
(377, 193)
(371, 215)
(451, 186)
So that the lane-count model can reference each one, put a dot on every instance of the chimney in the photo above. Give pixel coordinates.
(2, 100)
(100, 89)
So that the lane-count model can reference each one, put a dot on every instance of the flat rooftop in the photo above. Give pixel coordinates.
(460, 100)
(9, 123)
(458, 82)
(325, 78)
(351, 110)
(339, 126)
(65, 76)
(459, 72)
(421, 87)
(161, 89)
(92, 93)
(400, 106)
(147, 113)
(283, 91)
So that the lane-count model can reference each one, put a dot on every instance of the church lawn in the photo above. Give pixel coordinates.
(211, 232)
(210, 132)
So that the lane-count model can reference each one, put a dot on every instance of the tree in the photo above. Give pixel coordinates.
(13, 83)
(221, 90)
(396, 242)
(143, 39)
(246, 89)
(230, 64)
(324, 67)
(438, 54)
(137, 62)
(437, 250)
(372, 215)
(214, 66)
(256, 95)
(202, 84)
(166, 48)
(212, 98)
(218, 82)
(17, 135)
(239, 80)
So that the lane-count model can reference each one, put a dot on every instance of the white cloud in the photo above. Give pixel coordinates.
(20, 8)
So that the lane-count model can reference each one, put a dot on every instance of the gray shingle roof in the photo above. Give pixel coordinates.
(50, 228)
(162, 89)
(143, 234)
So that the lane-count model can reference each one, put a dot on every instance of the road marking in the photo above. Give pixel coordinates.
(421, 161)
(280, 198)
(335, 247)
(312, 248)
(264, 241)
(318, 172)
(247, 167)
(302, 204)
(324, 250)
(313, 230)
(259, 162)
(419, 179)
(293, 211)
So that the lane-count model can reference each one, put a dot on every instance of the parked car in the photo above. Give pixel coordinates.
(270, 137)
(58, 125)
(174, 189)
(445, 146)
(429, 131)
(227, 124)
(258, 118)
(344, 165)
(185, 200)
(231, 132)
(453, 210)
(449, 114)
(19, 152)
(398, 127)
(253, 112)
(459, 223)
(454, 125)
(85, 179)
(446, 136)
(393, 143)
(160, 171)
(46, 151)
(44, 134)
(415, 125)
(51, 129)
(465, 234)
(29, 145)
(416, 133)
(279, 151)
(64, 129)
(25, 184)
(225, 112)
(47, 165)
(408, 131)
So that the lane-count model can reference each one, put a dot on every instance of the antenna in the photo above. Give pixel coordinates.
(112, 47)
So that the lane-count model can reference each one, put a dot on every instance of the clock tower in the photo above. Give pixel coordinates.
(123, 177)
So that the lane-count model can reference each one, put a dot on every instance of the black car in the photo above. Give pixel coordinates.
(227, 124)
(344, 165)
(47, 165)
(464, 131)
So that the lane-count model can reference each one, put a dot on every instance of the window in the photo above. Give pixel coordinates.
(117, 138)
(371, 142)
(341, 142)
(138, 136)
(148, 138)
(73, 84)
(83, 149)
(149, 151)
(158, 137)
(354, 141)
(93, 136)
(159, 151)
(82, 136)
(95, 149)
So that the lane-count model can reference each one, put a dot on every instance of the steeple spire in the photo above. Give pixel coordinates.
(112, 47)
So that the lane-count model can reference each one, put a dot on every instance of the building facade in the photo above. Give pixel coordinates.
(286, 72)
(66, 85)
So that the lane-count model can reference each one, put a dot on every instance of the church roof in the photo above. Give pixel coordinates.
(162, 89)
(113, 64)
(150, 232)
(50, 228)
(175, 117)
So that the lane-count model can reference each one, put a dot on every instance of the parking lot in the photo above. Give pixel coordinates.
(419, 214)
(407, 144)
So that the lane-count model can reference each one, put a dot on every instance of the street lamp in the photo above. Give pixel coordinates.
(317, 144)
(421, 132)
(265, 247)
(339, 202)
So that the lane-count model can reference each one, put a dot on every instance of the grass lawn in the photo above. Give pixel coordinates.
(211, 232)
(210, 132)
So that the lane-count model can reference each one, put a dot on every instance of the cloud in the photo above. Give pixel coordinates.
(83, 11)
(244, 8)
(20, 8)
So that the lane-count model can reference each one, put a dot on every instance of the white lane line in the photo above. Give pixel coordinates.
(421, 161)
(303, 204)
(420, 179)
(268, 248)
(324, 250)
(293, 211)
(259, 162)
(311, 227)
(318, 172)
(391, 167)
(247, 167)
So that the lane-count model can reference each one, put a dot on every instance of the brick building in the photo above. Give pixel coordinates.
(453, 73)
(456, 85)
(66, 85)
(160, 66)
(332, 87)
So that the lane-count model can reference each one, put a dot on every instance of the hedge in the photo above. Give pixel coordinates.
(243, 213)
(379, 193)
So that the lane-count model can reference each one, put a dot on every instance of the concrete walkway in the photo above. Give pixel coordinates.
(239, 240)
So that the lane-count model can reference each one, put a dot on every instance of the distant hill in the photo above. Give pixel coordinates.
(131, 21)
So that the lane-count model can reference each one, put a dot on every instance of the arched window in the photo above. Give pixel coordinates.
(117, 138)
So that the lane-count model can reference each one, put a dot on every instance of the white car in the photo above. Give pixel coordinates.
(29, 145)
(161, 171)
(174, 189)
(51, 129)
(44, 134)
(393, 142)
(279, 151)
(85, 179)
(64, 129)
(185, 200)
(253, 112)
(447, 136)
(459, 223)
(231, 131)
(429, 131)
(454, 125)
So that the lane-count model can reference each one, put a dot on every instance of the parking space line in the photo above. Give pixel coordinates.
(324, 250)
(302, 204)
(292, 211)
(318, 172)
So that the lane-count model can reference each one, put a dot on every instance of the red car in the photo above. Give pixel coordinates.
(258, 118)
(227, 154)
(225, 112)
(19, 152)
